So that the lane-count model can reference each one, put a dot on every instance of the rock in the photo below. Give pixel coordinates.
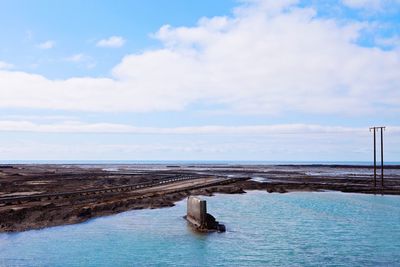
(221, 228)
(282, 190)
(85, 212)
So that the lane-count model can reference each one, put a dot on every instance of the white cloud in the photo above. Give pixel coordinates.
(259, 142)
(87, 61)
(370, 4)
(76, 58)
(91, 65)
(389, 42)
(81, 127)
(46, 45)
(255, 142)
(4, 65)
(373, 5)
(266, 59)
(113, 41)
(36, 118)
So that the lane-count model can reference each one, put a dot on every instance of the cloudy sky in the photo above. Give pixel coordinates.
(199, 80)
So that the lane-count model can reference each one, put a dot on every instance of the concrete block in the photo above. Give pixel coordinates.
(197, 215)
(196, 211)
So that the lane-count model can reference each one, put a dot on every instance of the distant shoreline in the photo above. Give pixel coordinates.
(198, 162)
(389, 165)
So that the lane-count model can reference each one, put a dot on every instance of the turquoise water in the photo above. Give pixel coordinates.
(306, 229)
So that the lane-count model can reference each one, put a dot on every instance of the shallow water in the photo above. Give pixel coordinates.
(309, 229)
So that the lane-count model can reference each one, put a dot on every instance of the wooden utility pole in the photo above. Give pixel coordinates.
(376, 129)
(382, 155)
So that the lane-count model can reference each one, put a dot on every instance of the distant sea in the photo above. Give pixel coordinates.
(263, 229)
(192, 162)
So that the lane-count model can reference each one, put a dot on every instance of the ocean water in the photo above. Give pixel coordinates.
(192, 162)
(295, 229)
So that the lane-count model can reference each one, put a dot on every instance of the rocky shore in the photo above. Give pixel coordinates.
(21, 214)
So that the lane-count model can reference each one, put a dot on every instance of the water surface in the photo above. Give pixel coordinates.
(311, 229)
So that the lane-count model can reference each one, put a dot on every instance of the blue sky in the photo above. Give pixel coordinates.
(198, 80)
(76, 26)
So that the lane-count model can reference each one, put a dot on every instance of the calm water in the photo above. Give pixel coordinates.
(190, 162)
(311, 229)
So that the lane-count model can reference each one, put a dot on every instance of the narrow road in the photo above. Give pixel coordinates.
(173, 184)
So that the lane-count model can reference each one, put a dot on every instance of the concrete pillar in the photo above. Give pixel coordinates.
(196, 211)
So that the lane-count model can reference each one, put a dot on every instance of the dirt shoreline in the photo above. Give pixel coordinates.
(31, 180)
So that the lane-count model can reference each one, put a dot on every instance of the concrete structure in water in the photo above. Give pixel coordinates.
(198, 217)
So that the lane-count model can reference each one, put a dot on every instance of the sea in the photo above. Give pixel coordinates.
(194, 162)
(263, 229)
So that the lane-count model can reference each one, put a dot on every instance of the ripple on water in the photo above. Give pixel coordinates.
(310, 229)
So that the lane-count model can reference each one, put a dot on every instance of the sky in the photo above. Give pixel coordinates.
(253, 80)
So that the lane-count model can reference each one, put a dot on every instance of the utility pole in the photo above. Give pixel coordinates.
(382, 155)
(376, 129)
